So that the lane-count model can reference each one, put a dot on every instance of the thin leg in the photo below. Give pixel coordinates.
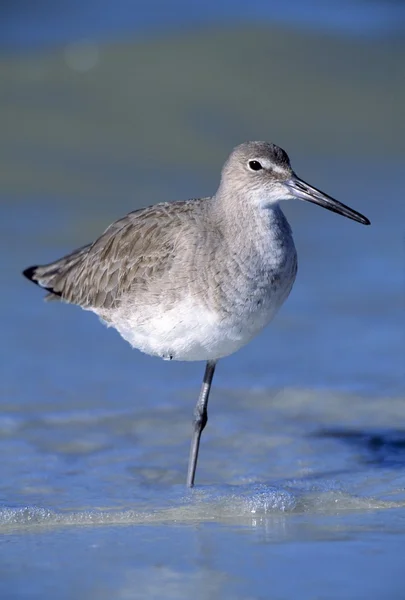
(200, 420)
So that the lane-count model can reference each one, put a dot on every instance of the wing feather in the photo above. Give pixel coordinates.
(129, 256)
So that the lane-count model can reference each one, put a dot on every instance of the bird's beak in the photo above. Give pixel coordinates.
(304, 191)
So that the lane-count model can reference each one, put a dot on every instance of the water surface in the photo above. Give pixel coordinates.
(301, 477)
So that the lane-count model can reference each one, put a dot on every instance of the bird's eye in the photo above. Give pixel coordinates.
(254, 165)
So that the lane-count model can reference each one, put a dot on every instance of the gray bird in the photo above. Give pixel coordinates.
(197, 279)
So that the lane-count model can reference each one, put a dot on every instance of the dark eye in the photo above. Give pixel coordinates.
(254, 165)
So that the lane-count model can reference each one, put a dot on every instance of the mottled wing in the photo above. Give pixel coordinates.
(130, 256)
(50, 276)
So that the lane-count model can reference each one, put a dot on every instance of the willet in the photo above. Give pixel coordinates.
(197, 279)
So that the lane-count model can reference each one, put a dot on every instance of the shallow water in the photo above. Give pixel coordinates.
(301, 484)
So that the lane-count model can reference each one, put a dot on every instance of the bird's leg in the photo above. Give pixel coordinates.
(200, 420)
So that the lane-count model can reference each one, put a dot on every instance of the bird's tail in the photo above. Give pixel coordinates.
(48, 276)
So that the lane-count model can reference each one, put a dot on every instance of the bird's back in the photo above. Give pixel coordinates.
(133, 255)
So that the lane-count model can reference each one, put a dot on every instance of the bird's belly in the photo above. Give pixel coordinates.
(190, 331)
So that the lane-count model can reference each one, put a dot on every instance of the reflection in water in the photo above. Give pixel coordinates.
(164, 582)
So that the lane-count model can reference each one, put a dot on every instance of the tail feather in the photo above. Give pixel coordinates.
(47, 276)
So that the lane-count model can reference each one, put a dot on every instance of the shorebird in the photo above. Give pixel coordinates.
(195, 279)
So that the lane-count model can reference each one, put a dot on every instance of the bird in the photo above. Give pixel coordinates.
(195, 280)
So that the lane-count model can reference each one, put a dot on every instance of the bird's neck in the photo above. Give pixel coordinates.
(246, 223)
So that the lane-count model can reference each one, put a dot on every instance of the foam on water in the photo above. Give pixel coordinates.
(237, 504)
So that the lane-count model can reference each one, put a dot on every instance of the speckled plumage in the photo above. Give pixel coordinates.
(192, 280)
(195, 280)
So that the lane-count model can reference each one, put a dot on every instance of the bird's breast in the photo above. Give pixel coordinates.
(211, 308)
(259, 275)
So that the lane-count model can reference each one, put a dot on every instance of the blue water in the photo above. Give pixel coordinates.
(302, 461)
(300, 483)
(26, 24)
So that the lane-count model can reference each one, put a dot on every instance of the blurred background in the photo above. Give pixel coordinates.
(109, 106)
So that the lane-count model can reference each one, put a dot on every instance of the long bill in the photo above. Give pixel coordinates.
(299, 189)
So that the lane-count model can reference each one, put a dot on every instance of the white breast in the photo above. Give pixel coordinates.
(196, 327)
(190, 331)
